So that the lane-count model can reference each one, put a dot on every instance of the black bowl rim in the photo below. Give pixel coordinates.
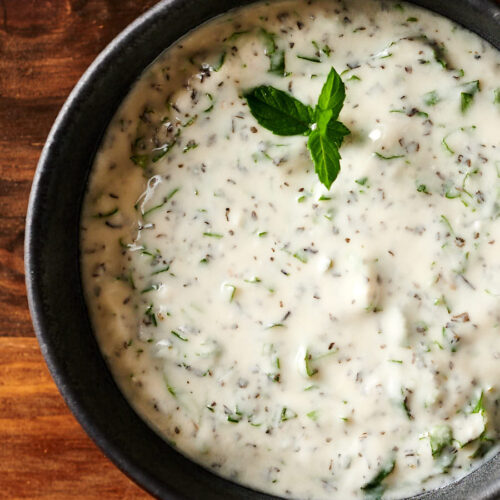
(34, 282)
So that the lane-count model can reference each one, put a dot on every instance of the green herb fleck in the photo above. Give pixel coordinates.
(441, 301)
(287, 414)
(162, 270)
(300, 256)
(431, 98)
(150, 289)
(140, 160)
(313, 415)
(161, 152)
(211, 99)
(130, 280)
(190, 145)
(404, 404)
(151, 315)
(190, 122)
(440, 437)
(362, 181)
(452, 194)
(375, 488)
(276, 57)
(268, 41)
(275, 325)
(310, 387)
(164, 202)
(479, 406)
(101, 215)
(483, 448)
(326, 50)
(467, 96)
(310, 371)
(231, 290)
(310, 59)
(170, 389)
(446, 222)
(235, 416)
(255, 279)
(220, 63)
(236, 35)
(446, 146)
(179, 336)
(277, 63)
(392, 157)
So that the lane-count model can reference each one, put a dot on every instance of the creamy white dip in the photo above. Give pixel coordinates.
(298, 340)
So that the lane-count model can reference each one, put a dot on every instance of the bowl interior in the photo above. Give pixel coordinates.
(52, 257)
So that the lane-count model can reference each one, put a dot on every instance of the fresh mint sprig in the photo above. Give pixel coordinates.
(282, 114)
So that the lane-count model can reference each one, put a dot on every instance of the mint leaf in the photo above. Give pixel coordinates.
(278, 111)
(323, 119)
(336, 131)
(325, 141)
(332, 94)
(325, 155)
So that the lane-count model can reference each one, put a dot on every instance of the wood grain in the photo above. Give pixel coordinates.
(45, 46)
(44, 451)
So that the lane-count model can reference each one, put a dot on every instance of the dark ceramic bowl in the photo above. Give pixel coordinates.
(53, 269)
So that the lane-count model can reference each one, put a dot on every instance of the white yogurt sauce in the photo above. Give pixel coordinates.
(294, 339)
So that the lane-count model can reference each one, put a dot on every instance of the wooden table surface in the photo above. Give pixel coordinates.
(45, 46)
